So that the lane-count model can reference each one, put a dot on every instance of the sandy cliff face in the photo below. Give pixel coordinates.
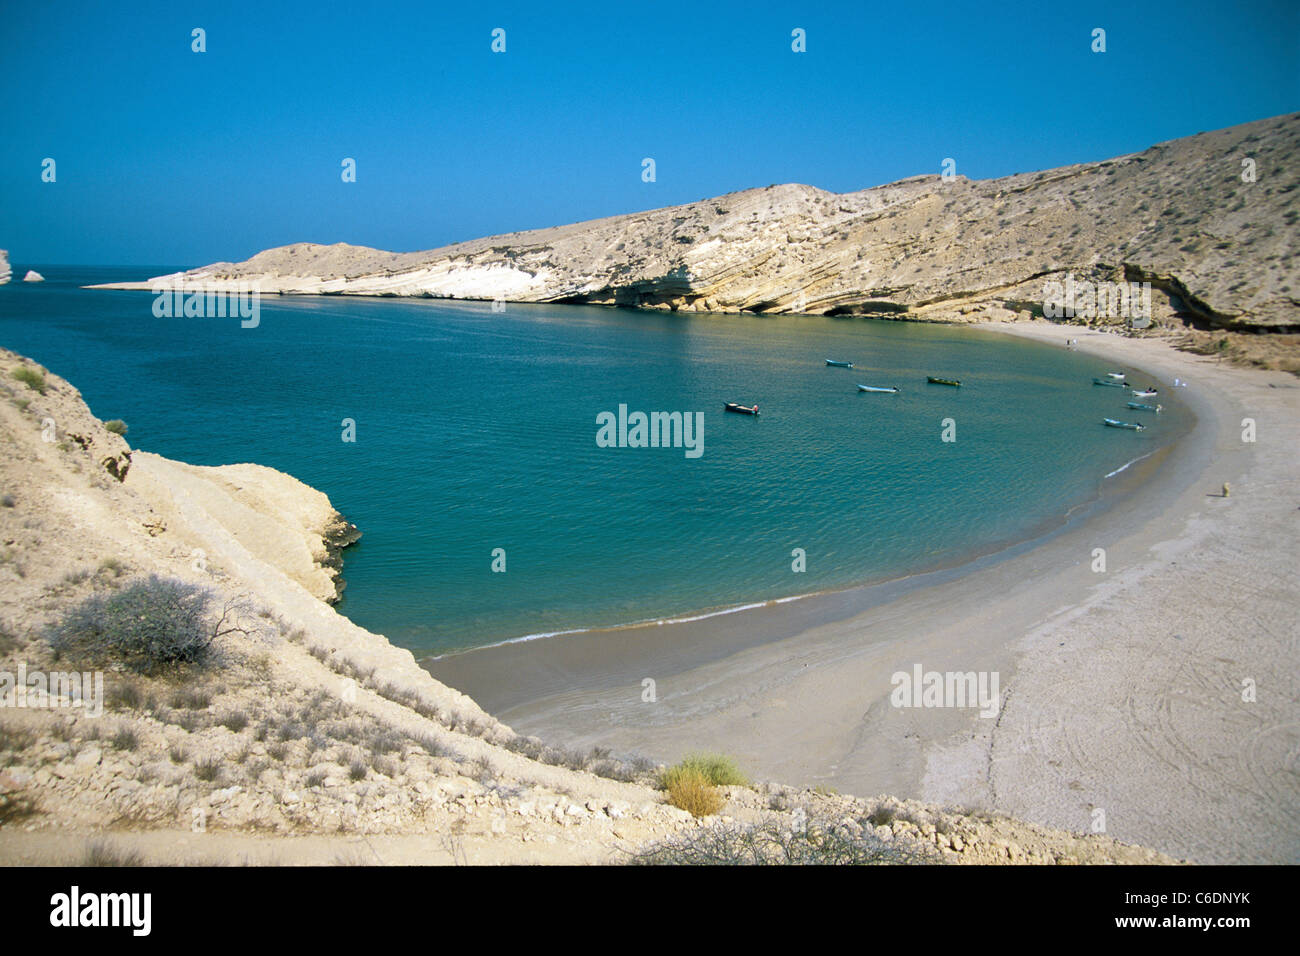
(1209, 220)
(275, 517)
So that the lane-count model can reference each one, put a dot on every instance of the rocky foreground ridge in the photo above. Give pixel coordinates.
(309, 739)
(1209, 220)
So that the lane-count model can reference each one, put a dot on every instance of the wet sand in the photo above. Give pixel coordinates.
(1121, 691)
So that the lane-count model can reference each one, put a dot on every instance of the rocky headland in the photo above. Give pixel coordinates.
(1210, 221)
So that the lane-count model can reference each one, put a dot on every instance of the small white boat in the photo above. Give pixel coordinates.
(876, 388)
(1117, 375)
(1144, 393)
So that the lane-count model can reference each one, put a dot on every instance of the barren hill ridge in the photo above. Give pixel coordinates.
(1210, 220)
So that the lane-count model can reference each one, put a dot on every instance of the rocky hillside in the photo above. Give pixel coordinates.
(5, 271)
(304, 738)
(1209, 220)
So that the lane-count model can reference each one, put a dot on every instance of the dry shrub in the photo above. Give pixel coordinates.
(690, 790)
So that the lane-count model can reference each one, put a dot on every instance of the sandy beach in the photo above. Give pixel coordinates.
(1157, 701)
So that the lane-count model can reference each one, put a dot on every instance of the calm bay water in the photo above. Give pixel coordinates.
(476, 431)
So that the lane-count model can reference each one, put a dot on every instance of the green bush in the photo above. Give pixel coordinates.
(31, 377)
(116, 426)
(149, 625)
(715, 769)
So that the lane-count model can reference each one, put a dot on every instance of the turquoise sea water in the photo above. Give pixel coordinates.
(477, 430)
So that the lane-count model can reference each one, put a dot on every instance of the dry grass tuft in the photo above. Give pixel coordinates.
(690, 790)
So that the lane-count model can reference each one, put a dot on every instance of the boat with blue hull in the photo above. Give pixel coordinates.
(1131, 426)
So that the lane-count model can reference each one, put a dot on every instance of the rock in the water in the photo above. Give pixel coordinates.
(33, 276)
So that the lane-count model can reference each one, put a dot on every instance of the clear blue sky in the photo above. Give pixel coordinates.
(173, 157)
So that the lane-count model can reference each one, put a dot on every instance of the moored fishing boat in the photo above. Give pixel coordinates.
(740, 409)
(1132, 426)
(943, 381)
(1145, 408)
(839, 364)
(1119, 376)
(1144, 393)
(875, 388)
(1102, 381)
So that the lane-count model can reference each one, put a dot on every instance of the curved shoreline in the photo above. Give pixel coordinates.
(860, 593)
(506, 683)
(258, 530)
(968, 561)
(801, 693)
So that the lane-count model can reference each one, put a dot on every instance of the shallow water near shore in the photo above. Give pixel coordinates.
(476, 430)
